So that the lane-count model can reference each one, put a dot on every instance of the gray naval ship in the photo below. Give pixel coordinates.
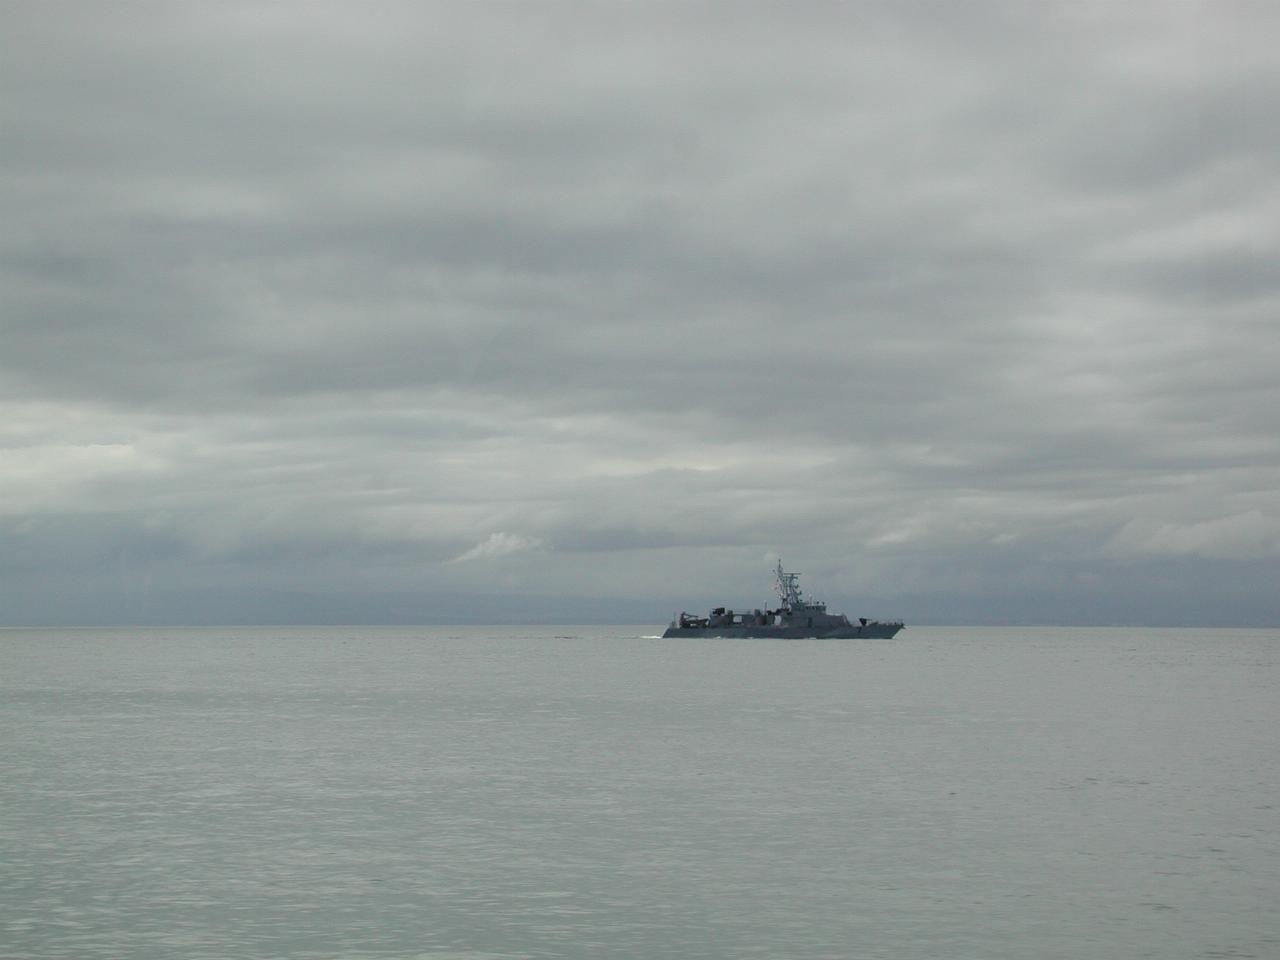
(795, 617)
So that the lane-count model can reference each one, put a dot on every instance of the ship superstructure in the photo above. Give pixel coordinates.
(795, 617)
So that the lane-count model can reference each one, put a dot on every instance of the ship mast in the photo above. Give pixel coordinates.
(789, 589)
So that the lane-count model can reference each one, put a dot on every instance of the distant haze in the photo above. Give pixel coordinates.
(395, 312)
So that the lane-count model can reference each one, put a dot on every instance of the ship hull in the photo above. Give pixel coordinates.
(870, 631)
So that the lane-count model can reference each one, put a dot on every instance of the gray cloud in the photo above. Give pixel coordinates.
(969, 312)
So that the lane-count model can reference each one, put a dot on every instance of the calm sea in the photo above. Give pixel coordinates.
(588, 792)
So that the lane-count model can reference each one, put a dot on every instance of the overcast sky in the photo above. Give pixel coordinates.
(399, 312)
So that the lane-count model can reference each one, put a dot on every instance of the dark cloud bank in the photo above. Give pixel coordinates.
(433, 312)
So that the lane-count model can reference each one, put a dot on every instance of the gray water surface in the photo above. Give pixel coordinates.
(596, 792)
